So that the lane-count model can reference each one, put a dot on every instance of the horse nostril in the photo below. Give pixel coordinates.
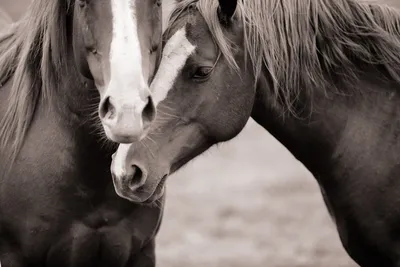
(149, 113)
(137, 178)
(107, 109)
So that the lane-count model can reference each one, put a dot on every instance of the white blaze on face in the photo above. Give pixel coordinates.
(119, 166)
(175, 53)
(126, 76)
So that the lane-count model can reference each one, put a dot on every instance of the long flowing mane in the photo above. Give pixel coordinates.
(32, 57)
(298, 42)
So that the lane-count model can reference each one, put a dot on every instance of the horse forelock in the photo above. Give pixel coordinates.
(34, 55)
(299, 42)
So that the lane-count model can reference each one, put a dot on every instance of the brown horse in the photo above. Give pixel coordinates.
(321, 76)
(58, 206)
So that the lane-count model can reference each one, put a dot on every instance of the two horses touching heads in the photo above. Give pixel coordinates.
(323, 77)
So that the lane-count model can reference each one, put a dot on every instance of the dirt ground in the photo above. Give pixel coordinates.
(245, 203)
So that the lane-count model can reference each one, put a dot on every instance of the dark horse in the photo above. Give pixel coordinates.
(58, 206)
(321, 76)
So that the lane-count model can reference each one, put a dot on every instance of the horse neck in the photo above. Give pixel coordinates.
(77, 108)
(333, 126)
(89, 158)
(75, 103)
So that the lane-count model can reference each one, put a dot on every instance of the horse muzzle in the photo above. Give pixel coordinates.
(125, 121)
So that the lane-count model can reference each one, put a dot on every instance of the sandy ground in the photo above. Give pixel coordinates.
(245, 203)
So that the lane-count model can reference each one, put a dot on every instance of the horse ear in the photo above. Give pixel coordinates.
(226, 10)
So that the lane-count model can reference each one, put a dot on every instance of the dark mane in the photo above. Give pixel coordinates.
(33, 57)
(299, 41)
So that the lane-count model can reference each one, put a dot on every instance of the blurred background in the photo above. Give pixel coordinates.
(244, 203)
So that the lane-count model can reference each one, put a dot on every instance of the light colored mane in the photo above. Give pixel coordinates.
(300, 41)
(32, 57)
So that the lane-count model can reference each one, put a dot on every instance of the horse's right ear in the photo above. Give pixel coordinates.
(226, 10)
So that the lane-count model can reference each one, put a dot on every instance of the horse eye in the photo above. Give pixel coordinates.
(82, 3)
(202, 72)
(93, 50)
(153, 48)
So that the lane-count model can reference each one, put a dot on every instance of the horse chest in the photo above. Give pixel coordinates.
(85, 246)
(80, 233)
(60, 219)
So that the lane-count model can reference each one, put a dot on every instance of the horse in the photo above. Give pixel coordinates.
(74, 78)
(323, 77)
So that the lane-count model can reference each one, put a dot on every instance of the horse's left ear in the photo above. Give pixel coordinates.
(226, 10)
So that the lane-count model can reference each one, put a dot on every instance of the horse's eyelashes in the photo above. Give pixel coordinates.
(202, 73)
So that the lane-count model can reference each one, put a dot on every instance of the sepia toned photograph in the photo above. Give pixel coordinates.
(199, 133)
